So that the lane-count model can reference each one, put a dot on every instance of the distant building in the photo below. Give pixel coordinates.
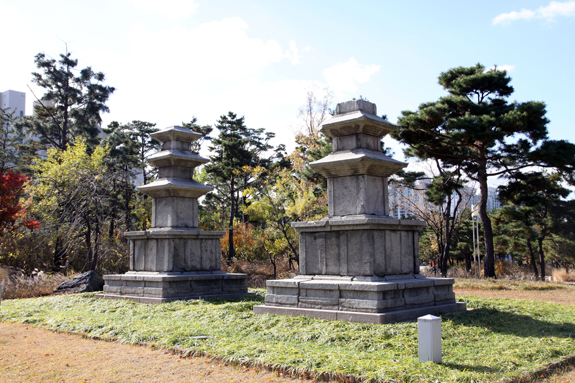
(12, 100)
(39, 104)
(408, 203)
(493, 202)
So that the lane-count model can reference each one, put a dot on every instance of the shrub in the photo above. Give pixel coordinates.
(561, 275)
(19, 285)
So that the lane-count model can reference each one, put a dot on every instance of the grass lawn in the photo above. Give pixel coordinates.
(498, 340)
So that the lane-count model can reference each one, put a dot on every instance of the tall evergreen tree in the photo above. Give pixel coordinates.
(475, 127)
(203, 130)
(235, 149)
(130, 144)
(538, 201)
(71, 105)
(10, 139)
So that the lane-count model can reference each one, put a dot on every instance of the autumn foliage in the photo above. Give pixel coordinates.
(12, 211)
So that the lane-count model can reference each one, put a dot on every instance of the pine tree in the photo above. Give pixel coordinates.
(235, 150)
(71, 105)
(475, 127)
(537, 200)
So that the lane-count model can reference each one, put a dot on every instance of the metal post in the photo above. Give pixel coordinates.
(1, 290)
(429, 338)
(478, 253)
(476, 256)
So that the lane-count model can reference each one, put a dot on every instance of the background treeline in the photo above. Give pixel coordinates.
(70, 182)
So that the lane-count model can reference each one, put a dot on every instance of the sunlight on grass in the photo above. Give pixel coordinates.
(499, 339)
(505, 284)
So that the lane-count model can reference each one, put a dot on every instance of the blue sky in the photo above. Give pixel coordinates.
(174, 59)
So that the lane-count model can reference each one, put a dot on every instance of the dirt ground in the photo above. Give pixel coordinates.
(563, 296)
(31, 354)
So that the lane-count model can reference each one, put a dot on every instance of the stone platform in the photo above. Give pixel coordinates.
(158, 287)
(361, 299)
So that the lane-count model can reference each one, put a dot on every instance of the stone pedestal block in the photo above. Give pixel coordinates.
(150, 287)
(175, 250)
(359, 246)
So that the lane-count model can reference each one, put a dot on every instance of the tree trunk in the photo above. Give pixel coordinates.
(446, 246)
(231, 250)
(96, 252)
(467, 257)
(532, 254)
(489, 259)
(541, 258)
(273, 262)
(59, 255)
(88, 239)
(127, 198)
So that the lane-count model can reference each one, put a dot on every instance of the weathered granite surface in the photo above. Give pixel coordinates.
(174, 259)
(359, 264)
(83, 283)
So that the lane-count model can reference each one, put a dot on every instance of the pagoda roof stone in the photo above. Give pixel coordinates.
(172, 157)
(176, 133)
(357, 121)
(175, 187)
(357, 161)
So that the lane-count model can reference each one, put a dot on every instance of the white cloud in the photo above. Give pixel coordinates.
(292, 53)
(344, 77)
(508, 68)
(548, 13)
(218, 50)
(173, 9)
(168, 76)
(20, 52)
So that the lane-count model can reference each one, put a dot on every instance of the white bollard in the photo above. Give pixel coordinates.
(429, 334)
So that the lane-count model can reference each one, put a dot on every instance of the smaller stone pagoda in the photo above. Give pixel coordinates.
(359, 264)
(175, 259)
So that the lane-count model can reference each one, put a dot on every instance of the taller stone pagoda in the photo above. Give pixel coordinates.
(359, 264)
(175, 259)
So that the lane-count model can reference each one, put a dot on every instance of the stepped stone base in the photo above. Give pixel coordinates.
(361, 299)
(159, 287)
(382, 318)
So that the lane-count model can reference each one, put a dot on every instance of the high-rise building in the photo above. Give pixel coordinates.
(12, 100)
(493, 202)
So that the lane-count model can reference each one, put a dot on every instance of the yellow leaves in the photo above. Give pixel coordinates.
(61, 171)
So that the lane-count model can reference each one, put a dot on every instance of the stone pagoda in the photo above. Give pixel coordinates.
(359, 264)
(175, 259)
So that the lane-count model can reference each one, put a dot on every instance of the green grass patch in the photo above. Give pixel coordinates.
(506, 284)
(498, 340)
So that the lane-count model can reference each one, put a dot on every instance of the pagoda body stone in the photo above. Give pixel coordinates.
(359, 264)
(174, 259)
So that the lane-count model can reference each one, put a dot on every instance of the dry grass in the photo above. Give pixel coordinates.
(260, 271)
(516, 289)
(18, 285)
(561, 275)
(30, 354)
(503, 270)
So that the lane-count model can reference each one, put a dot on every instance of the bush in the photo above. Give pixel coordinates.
(26, 250)
(561, 275)
(19, 285)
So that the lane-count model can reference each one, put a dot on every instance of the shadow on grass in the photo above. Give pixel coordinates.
(513, 324)
(464, 367)
(255, 298)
